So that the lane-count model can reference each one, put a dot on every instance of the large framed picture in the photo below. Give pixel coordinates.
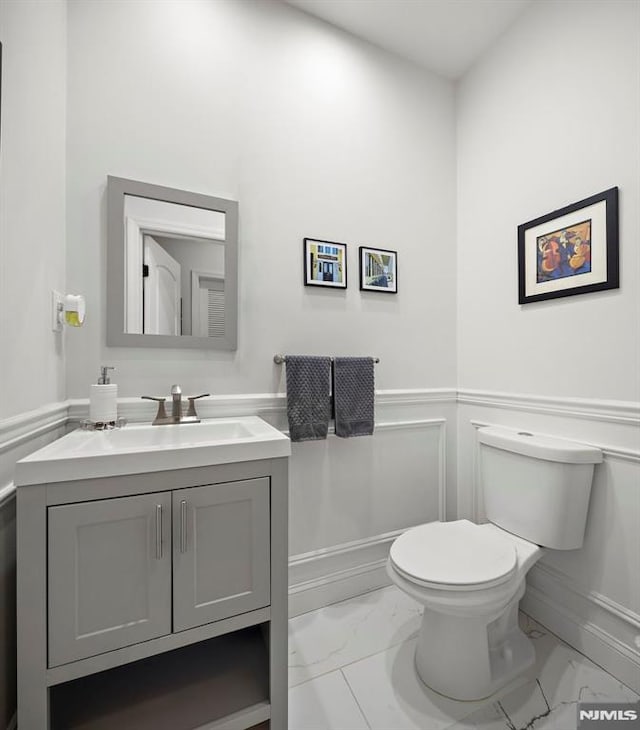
(325, 263)
(573, 250)
(378, 270)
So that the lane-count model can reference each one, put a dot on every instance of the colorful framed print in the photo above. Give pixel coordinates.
(378, 270)
(573, 250)
(325, 263)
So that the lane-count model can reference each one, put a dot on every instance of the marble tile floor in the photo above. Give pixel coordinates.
(351, 668)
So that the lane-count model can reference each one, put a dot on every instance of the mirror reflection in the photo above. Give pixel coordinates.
(175, 277)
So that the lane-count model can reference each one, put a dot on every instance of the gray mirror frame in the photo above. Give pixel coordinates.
(117, 188)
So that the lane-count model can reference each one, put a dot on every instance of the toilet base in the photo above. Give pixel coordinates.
(469, 657)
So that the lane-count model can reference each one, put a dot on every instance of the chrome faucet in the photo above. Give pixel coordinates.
(177, 411)
(176, 407)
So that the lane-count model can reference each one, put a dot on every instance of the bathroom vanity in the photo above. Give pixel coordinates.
(152, 579)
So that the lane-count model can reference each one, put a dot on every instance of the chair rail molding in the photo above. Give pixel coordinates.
(623, 412)
(21, 434)
(23, 427)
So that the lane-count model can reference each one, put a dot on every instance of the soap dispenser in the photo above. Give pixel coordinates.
(103, 399)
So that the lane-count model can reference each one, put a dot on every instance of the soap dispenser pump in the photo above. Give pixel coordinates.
(103, 400)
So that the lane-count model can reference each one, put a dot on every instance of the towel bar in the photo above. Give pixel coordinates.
(279, 359)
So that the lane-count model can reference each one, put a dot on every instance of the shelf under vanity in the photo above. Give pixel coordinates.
(221, 683)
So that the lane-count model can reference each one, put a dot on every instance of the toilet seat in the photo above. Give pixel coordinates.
(454, 556)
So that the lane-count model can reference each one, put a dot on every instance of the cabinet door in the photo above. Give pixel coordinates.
(221, 551)
(109, 575)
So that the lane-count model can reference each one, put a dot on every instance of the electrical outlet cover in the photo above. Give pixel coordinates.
(56, 308)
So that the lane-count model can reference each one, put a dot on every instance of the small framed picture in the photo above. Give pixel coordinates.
(325, 263)
(378, 270)
(573, 250)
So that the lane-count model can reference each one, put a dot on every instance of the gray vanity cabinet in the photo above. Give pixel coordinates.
(154, 600)
(109, 575)
(221, 554)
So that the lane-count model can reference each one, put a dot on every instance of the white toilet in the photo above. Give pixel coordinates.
(470, 578)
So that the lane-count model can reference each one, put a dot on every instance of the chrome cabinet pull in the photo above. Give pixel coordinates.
(158, 532)
(183, 526)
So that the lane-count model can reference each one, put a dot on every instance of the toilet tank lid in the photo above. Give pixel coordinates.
(539, 446)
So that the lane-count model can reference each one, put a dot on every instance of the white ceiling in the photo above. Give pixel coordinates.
(445, 36)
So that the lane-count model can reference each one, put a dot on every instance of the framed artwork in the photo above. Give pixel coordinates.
(378, 270)
(573, 250)
(325, 263)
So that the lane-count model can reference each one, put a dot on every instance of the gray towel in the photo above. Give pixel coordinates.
(308, 397)
(353, 396)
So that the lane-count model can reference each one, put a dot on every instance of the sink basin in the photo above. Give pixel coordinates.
(161, 437)
(141, 448)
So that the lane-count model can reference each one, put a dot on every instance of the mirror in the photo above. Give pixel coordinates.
(171, 267)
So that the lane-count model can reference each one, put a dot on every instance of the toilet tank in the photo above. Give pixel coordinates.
(535, 486)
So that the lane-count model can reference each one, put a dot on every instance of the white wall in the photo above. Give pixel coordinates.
(550, 116)
(32, 261)
(314, 133)
(32, 201)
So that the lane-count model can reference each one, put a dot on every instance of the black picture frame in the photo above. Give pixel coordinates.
(573, 250)
(325, 263)
(378, 270)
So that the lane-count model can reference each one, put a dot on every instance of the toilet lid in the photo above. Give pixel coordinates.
(454, 555)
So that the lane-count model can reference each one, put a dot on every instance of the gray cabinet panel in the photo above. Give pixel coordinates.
(109, 575)
(221, 563)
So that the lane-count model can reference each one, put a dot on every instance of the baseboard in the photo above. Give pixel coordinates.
(322, 577)
(335, 588)
(594, 625)
(23, 433)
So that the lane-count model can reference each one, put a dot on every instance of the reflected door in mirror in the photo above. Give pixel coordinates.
(165, 244)
(162, 301)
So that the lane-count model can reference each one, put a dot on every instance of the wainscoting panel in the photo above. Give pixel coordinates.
(369, 490)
